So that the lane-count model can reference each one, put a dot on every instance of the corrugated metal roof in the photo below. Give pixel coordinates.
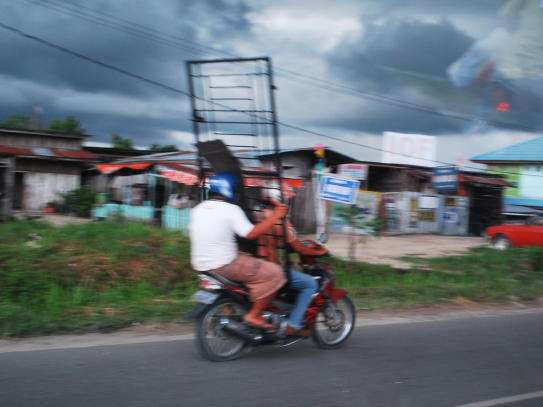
(524, 201)
(519, 210)
(7, 150)
(74, 154)
(46, 133)
(530, 151)
(50, 153)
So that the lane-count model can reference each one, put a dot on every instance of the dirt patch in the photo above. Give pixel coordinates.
(53, 219)
(388, 249)
(62, 220)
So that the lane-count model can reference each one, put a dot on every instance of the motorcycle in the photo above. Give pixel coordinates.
(221, 334)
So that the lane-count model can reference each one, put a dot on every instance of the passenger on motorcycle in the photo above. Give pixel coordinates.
(268, 249)
(213, 227)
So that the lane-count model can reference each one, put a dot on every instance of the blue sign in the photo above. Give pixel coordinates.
(445, 179)
(338, 189)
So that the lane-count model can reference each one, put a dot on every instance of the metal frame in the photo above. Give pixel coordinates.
(259, 90)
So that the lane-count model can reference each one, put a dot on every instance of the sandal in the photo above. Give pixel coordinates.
(265, 326)
(303, 332)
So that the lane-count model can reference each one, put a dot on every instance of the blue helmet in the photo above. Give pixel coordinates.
(223, 183)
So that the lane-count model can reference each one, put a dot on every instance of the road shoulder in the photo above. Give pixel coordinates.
(167, 332)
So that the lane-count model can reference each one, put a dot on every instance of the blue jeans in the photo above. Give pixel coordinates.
(306, 287)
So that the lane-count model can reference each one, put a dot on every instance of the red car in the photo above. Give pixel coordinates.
(503, 237)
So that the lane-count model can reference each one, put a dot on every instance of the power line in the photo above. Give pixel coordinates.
(157, 36)
(125, 28)
(181, 92)
(197, 46)
(91, 60)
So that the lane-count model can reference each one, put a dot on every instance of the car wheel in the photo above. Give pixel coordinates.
(501, 242)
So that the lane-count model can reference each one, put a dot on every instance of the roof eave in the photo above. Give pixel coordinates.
(483, 161)
(44, 133)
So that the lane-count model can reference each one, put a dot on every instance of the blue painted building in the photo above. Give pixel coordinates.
(522, 165)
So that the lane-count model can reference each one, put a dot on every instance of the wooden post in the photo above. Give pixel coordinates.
(352, 238)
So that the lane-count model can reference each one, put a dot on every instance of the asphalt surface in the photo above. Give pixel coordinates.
(440, 363)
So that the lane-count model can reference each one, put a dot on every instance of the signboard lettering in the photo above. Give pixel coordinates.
(445, 179)
(337, 189)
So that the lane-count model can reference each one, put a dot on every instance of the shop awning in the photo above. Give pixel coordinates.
(111, 168)
(178, 173)
(185, 174)
(477, 179)
(261, 181)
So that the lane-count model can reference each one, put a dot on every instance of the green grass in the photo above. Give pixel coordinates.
(483, 275)
(106, 275)
(83, 277)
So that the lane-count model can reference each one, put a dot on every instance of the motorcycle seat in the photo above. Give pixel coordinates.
(224, 280)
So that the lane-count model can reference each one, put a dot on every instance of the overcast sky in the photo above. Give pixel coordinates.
(393, 48)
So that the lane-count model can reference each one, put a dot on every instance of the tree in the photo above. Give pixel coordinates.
(68, 125)
(163, 148)
(121, 143)
(16, 121)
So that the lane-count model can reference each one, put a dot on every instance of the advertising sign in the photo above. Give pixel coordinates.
(337, 189)
(445, 179)
(356, 171)
(343, 218)
(410, 149)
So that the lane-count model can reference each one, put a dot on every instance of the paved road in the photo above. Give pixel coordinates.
(443, 363)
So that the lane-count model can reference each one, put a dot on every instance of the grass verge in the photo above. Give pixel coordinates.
(483, 275)
(101, 275)
(106, 275)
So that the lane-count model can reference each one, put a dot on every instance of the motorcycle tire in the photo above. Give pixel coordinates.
(209, 319)
(345, 310)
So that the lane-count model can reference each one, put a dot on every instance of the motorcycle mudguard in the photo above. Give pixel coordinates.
(198, 310)
(337, 293)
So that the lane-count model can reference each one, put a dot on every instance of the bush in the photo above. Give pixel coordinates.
(79, 201)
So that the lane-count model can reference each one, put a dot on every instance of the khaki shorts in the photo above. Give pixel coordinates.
(262, 277)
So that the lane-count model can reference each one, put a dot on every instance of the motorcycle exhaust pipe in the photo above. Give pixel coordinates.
(240, 330)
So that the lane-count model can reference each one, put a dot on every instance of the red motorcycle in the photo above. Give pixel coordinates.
(222, 335)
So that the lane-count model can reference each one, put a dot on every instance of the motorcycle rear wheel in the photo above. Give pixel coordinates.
(334, 324)
(212, 341)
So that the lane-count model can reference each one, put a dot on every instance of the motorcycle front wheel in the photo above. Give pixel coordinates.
(334, 324)
(212, 341)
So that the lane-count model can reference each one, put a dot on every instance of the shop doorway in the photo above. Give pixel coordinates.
(18, 191)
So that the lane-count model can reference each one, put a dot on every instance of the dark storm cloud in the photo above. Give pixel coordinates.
(45, 65)
(28, 62)
(141, 131)
(388, 118)
(402, 52)
(478, 16)
(413, 47)
(441, 7)
(399, 58)
(125, 47)
(225, 18)
(406, 59)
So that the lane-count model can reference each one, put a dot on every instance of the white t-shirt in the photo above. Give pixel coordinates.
(213, 227)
